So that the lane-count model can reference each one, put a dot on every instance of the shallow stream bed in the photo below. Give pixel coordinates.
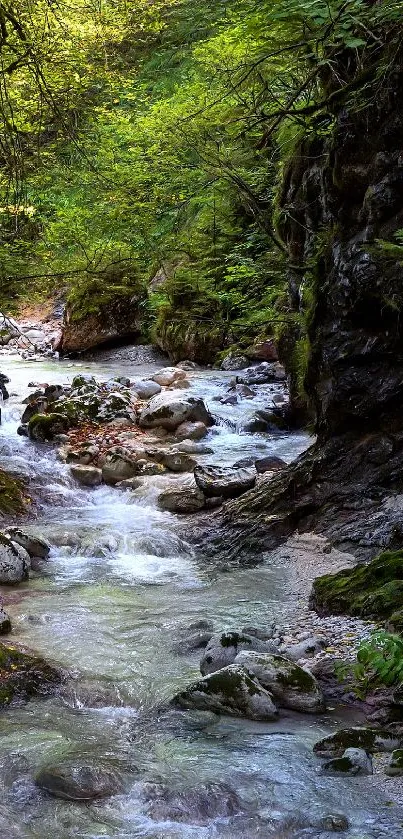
(110, 605)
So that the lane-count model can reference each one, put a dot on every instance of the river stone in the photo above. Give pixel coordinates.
(195, 641)
(334, 823)
(292, 686)
(395, 765)
(118, 467)
(168, 376)
(83, 381)
(191, 431)
(231, 691)
(271, 463)
(178, 462)
(146, 389)
(14, 562)
(24, 675)
(198, 804)
(191, 447)
(234, 362)
(370, 739)
(79, 782)
(83, 454)
(185, 500)
(44, 427)
(262, 374)
(5, 622)
(223, 649)
(305, 649)
(352, 762)
(34, 545)
(170, 410)
(223, 481)
(88, 476)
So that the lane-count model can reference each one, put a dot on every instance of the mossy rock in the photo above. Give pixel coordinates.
(370, 739)
(291, 685)
(11, 494)
(44, 427)
(232, 691)
(367, 591)
(23, 675)
(395, 766)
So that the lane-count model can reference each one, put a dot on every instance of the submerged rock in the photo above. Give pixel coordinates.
(352, 762)
(223, 649)
(79, 782)
(194, 805)
(370, 739)
(170, 410)
(292, 686)
(223, 481)
(23, 675)
(231, 691)
(14, 562)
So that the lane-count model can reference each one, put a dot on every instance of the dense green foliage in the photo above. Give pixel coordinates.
(142, 145)
(379, 661)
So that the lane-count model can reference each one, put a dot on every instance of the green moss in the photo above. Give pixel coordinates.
(44, 426)
(368, 591)
(23, 675)
(11, 494)
(292, 676)
(370, 739)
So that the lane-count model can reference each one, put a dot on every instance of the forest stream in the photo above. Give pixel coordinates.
(110, 606)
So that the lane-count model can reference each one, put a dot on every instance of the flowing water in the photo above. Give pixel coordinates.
(120, 589)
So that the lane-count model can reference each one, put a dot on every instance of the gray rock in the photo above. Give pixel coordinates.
(83, 380)
(191, 447)
(305, 649)
(184, 500)
(146, 389)
(223, 649)
(352, 762)
(118, 467)
(395, 765)
(88, 476)
(14, 562)
(170, 410)
(192, 642)
(34, 545)
(80, 782)
(178, 462)
(235, 362)
(262, 374)
(191, 431)
(231, 691)
(131, 483)
(223, 481)
(292, 686)
(334, 823)
(269, 464)
(84, 454)
(5, 622)
(168, 376)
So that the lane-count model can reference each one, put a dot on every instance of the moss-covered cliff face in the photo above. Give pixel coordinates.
(341, 194)
(340, 206)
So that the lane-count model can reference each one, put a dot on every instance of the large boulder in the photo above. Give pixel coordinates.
(118, 319)
(223, 648)
(23, 675)
(223, 481)
(232, 691)
(45, 427)
(34, 545)
(262, 374)
(79, 782)
(262, 351)
(119, 467)
(14, 562)
(169, 410)
(292, 686)
(234, 361)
